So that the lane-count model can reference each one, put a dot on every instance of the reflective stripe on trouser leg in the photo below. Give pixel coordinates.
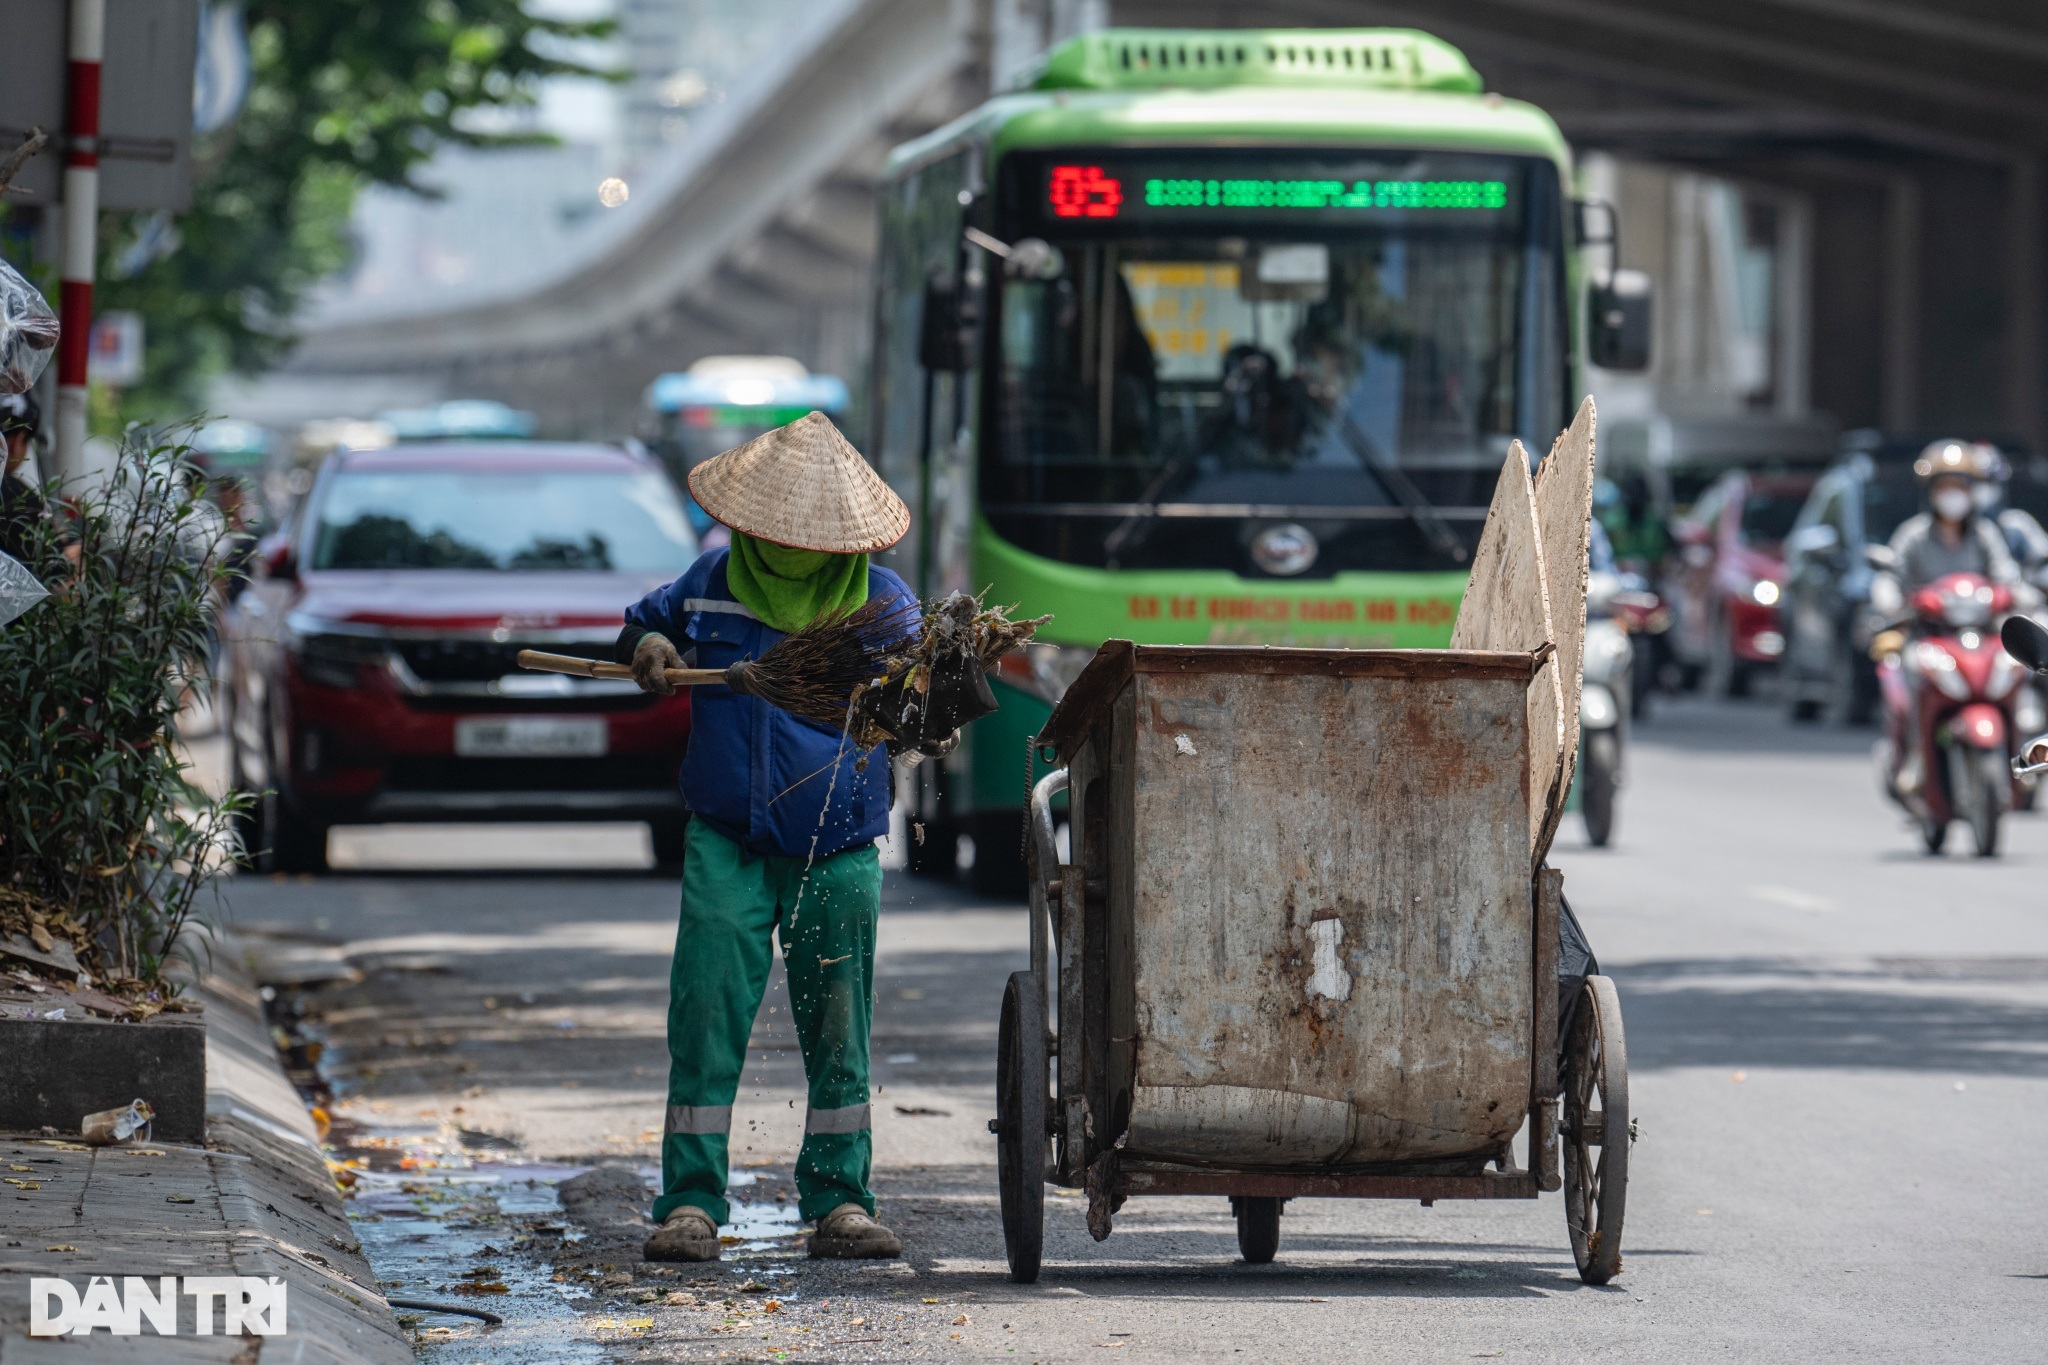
(723, 953)
(851, 1118)
(828, 945)
(700, 1119)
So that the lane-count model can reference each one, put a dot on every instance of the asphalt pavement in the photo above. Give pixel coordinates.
(1838, 1054)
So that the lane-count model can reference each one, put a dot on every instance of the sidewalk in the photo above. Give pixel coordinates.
(256, 1201)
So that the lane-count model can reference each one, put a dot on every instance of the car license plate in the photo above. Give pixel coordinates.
(531, 737)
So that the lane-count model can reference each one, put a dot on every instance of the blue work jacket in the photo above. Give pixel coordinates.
(754, 772)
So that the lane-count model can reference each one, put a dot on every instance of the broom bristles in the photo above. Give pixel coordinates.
(815, 670)
(818, 671)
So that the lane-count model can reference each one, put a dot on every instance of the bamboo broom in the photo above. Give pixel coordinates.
(911, 669)
(814, 672)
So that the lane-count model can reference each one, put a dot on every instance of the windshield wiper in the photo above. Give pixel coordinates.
(1119, 537)
(1428, 520)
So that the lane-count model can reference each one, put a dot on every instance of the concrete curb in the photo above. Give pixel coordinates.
(262, 1204)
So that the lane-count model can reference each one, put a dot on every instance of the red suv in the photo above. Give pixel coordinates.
(370, 671)
(1730, 576)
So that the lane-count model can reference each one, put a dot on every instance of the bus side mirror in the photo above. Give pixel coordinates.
(945, 339)
(1618, 321)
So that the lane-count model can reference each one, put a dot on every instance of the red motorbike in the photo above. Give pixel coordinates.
(1949, 692)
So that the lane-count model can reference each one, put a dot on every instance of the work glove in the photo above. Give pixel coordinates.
(653, 654)
(910, 755)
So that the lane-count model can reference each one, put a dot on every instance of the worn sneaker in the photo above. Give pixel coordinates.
(688, 1234)
(849, 1234)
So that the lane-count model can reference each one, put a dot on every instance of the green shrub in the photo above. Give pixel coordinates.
(104, 839)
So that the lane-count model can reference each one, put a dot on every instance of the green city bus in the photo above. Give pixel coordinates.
(1210, 337)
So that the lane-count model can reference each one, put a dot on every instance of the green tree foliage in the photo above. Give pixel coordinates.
(343, 94)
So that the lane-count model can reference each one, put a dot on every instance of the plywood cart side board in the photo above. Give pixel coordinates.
(1564, 520)
(1507, 602)
(1507, 605)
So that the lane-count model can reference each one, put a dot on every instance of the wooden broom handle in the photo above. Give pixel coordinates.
(591, 668)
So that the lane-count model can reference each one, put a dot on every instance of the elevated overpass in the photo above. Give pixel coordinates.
(1915, 132)
(756, 238)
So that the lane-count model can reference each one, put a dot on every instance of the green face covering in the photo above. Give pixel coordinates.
(789, 588)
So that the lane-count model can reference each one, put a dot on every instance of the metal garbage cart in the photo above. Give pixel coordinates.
(1305, 943)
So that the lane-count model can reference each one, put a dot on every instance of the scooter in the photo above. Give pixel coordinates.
(1949, 695)
(1605, 698)
(1642, 613)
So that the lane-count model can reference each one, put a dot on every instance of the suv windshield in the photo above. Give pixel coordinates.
(1360, 374)
(622, 521)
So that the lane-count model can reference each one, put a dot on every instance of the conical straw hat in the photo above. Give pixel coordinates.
(804, 486)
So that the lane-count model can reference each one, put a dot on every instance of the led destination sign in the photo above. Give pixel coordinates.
(1327, 194)
(1157, 190)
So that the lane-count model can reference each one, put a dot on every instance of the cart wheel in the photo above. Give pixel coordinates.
(1020, 1125)
(1596, 1132)
(1258, 1227)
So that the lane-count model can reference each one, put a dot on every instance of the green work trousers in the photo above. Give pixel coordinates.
(733, 902)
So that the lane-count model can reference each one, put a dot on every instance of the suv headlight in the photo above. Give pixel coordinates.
(331, 652)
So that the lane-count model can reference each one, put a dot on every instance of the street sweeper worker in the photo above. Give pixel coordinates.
(782, 832)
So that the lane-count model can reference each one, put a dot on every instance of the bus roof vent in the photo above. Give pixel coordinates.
(1159, 58)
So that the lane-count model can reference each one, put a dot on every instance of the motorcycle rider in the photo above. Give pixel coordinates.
(2024, 535)
(1952, 536)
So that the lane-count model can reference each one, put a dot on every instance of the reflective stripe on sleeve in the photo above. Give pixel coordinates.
(714, 604)
(851, 1119)
(699, 1119)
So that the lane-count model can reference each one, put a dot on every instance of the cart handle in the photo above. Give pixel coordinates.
(1045, 865)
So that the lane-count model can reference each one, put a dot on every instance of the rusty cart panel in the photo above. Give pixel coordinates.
(1330, 933)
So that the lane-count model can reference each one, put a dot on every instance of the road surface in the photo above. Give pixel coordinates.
(1839, 1061)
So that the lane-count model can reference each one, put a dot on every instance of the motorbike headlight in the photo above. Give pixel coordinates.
(1938, 666)
(1968, 607)
(1045, 671)
(2006, 673)
(1764, 592)
(1597, 709)
(331, 652)
(1607, 647)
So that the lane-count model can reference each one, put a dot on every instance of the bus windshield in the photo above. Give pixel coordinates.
(1360, 375)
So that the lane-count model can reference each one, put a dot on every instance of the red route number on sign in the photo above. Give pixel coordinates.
(1083, 192)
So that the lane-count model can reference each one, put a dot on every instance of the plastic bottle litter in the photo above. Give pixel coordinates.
(113, 1127)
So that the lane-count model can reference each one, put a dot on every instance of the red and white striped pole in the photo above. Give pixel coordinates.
(81, 231)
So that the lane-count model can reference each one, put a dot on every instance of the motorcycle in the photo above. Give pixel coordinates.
(1949, 694)
(1605, 701)
(1642, 613)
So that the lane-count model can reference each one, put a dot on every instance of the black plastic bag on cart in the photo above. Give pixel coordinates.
(1575, 962)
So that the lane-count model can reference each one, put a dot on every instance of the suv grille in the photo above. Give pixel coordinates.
(448, 661)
